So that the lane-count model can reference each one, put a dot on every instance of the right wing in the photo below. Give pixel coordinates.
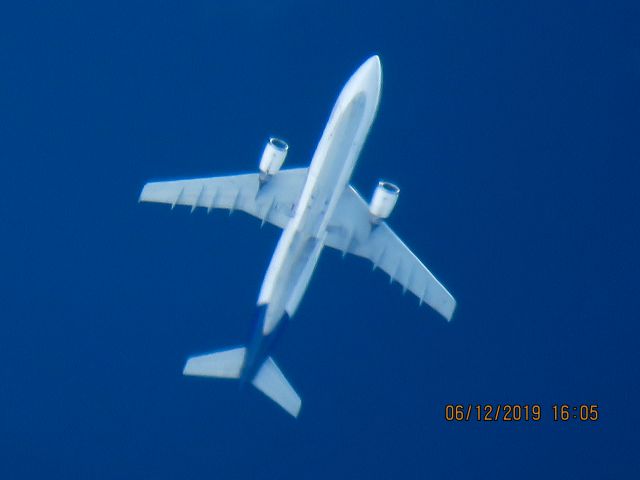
(350, 230)
(273, 202)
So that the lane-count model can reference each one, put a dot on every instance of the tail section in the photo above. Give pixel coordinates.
(229, 363)
(224, 364)
(272, 382)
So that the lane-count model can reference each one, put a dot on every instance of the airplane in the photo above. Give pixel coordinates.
(316, 208)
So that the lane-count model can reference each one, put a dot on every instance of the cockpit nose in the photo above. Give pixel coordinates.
(369, 75)
(372, 68)
(375, 61)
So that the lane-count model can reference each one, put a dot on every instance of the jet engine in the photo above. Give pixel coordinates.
(383, 201)
(272, 158)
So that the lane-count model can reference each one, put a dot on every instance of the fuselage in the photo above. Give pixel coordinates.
(302, 240)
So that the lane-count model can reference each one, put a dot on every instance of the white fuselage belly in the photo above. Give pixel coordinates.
(302, 240)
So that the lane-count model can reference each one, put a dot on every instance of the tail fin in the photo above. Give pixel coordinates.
(228, 364)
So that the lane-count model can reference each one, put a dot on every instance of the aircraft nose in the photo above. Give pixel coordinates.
(367, 79)
(371, 70)
(373, 66)
(375, 60)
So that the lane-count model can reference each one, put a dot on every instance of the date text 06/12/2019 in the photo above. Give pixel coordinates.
(520, 412)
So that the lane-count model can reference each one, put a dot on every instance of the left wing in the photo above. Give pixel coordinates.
(273, 202)
(350, 230)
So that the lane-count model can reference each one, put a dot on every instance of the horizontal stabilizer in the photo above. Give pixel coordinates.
(225, 364)
(270, 381)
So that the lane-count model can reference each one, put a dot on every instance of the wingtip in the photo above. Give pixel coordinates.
(451, 310)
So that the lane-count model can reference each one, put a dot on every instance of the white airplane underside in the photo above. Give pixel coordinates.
(315, 207)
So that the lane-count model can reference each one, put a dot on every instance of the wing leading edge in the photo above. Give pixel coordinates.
(350, 230)
(273, 201)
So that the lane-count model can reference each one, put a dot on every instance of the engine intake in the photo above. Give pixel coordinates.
(383, 201)
(273, 157)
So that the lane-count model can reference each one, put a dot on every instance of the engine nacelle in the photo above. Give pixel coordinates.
(273, 157)
(383, 201)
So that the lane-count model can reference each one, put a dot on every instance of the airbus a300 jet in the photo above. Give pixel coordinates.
(316, 208)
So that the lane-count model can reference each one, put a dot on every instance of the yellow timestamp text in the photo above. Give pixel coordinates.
(516, 412)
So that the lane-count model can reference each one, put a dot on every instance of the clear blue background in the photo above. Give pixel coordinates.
(512, 129)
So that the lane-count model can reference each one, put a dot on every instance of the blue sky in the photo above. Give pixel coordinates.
(512, 130)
